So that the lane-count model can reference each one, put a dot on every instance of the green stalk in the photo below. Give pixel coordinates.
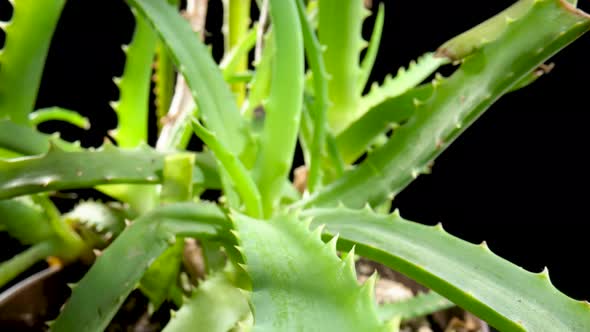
(236, 22)
(22, 59)
(177, 184)
(283, 110)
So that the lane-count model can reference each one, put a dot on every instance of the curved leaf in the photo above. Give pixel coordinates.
(58, 169)
(238, 174)
(28, 35)
(216, 306)
(98, 296)
(371, 55)
(134, 87)
(339, 30)
(299, 283)
(24, 221)
(30, 142)
(214, 99)
(456, 103)
(283, 109)
(405, 79)
(505, 295)
(60, 114)
(354, 140)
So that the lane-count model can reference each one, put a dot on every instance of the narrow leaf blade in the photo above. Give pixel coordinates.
(505, 295)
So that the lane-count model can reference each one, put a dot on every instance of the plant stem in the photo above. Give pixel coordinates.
(236, 22)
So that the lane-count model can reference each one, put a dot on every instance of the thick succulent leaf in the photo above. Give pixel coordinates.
(97, 297)
(214, 99)
(457, 102)
(216, 306)
(299, 283)
(134, 87)
(418, 306)
(355, 139)
(339, 30)
(283, 109)
(468, 42)
(28, 35)
(30, 141)
(24, 220)
(505, 295)
(57, 170)
(405, 79)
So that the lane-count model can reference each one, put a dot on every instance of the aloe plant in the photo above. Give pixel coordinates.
(279, 255)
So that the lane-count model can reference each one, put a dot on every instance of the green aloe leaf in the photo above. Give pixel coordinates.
(457, 102)
(28, 35)
(24, 220)
(214, 99)
(405, 80)
(60, 114)
(505, 295)
(283, 109)
(217, 305)
(30, 142)
(134, 86)
(372, 50)
(299, 283)
(339, 30)
(98, 296)
(390, 113)
(58, 170)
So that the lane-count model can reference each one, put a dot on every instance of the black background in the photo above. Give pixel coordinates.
(516, 178)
